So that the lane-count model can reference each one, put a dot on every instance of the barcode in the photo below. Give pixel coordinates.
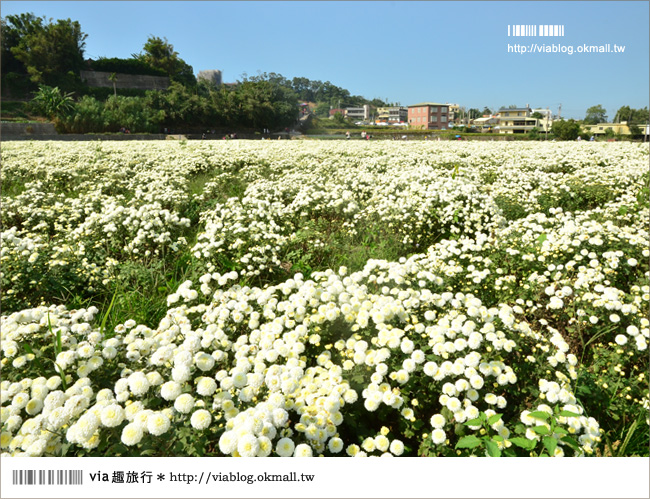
(535, 30)
(48, 477)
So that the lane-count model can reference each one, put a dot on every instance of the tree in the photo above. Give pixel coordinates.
(159, 53)
(595, 115)
(49, 53)
(566, 130)
(487, 111)
(339, 118)
(533, 134)
(322, 109)
(630, 115)
(267, 104)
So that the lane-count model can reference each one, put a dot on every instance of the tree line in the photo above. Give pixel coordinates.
(43, 58)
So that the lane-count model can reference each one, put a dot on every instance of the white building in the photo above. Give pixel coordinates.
(358, 113)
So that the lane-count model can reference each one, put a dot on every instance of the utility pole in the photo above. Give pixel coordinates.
(559, 112)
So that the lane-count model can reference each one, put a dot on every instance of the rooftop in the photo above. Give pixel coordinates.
(428, 104)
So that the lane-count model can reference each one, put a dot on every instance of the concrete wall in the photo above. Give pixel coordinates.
(141, 82)
(26, 129)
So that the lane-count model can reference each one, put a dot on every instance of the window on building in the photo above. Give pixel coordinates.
(443, 119)
(434, 119)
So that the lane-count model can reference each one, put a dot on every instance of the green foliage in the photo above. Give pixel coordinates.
(53, 103)
(126, 66)
(160, 54)
(533, 134)
(93, 116)
(595, 115)
(510, 207)
(50, 53)
(566, 130)
(632, 116)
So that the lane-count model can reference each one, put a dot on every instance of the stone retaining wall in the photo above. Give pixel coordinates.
(27, 129)
(141, 82)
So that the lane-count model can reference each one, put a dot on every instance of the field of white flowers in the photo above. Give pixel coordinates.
(302, 298)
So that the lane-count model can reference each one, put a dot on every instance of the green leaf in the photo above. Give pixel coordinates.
(59, 344)
(497, 438)
(102, 326)
(571, 442)
(474, 422)
(541, 238)
(540, 415)
(550, 443)
(541, 430)
(561, 431)
(524, 443)
(569, 414)
(494, 418)
(468, 442)
(493, 449)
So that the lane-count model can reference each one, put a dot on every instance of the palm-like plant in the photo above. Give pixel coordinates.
(113, 78)
(52, 102)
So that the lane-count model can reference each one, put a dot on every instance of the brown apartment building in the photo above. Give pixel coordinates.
(429, 116)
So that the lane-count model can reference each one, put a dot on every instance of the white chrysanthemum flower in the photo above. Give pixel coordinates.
(247, 445)
(491, 398)
(158, 423)
(112, 415)
(438, 436)
(204, 361)
(34, 406)
(438, 421)
(206, 386)
(476, 381)
(239, 379)
(20, 400)
(132, 434)
(170, 390)
(397, 447)
(138, 384)
(303, 450)
(184, 403)
(335, 445)
(228, 442)
(285, 447)
(201, 419)
(382, 443)
(620, 339)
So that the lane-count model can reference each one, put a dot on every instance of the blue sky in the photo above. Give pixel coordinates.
(405, 52)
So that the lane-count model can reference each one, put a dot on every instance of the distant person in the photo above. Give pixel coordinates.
(347, 135)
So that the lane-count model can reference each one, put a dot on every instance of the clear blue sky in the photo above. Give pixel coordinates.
(405, 52)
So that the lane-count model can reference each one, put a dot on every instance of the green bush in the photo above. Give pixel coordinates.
(125, 66)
